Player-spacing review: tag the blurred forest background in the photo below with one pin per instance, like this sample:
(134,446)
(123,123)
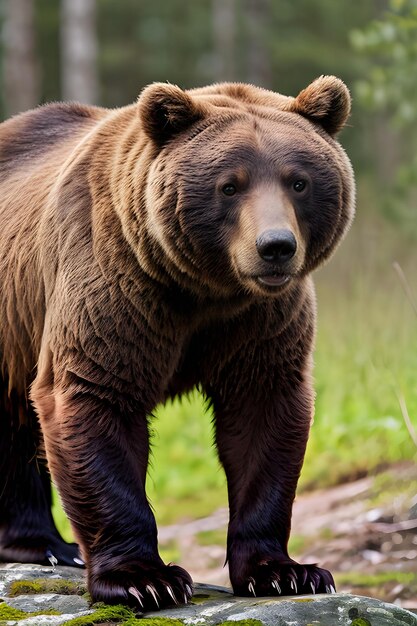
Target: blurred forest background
(105,52)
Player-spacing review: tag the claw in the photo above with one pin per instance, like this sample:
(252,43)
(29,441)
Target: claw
(185,599)
(189,590)
(135,593)
(316,580)
(153,593)
(275,584)
(171,593)
(313,588)
(252,588)
(78,561)
(293,580)
(305,574)
(332,589)
(52,559)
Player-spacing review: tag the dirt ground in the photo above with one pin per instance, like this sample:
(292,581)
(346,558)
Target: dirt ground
(364,531)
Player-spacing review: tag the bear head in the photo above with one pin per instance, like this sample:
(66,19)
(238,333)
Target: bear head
(248,190)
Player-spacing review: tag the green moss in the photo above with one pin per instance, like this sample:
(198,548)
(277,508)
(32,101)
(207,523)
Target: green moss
(43,585)
(119,615)
(200,598)
(360,622)
(10,613)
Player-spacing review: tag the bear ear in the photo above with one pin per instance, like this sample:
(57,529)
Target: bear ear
(325,101)
(166,110)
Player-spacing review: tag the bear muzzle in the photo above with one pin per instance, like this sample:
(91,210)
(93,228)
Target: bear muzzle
(274,280)
(277,247)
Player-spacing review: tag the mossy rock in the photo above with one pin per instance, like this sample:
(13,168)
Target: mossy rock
(106,615)
(9,613)
(61,586)
(210,606)
(241,622)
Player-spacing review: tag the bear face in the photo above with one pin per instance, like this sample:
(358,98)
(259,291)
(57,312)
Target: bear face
(248,192)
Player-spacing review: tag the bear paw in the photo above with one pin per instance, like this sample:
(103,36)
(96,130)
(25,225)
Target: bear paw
(271,578)
(45,551)
(142,585)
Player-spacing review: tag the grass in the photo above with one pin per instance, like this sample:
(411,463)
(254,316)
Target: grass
(365,358)
(377,584)
(359,579)
(212,537)
(183,447)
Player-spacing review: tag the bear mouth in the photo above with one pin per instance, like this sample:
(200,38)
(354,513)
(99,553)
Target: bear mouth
(274,280)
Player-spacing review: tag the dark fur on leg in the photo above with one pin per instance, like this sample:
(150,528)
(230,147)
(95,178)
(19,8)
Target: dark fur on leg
(27,529)
(262,427)
(101,477)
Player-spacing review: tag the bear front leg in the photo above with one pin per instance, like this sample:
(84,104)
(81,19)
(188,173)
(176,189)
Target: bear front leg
(97,450)
(263,411)
(27,529)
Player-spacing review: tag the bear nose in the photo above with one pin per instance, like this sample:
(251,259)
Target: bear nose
(276,246)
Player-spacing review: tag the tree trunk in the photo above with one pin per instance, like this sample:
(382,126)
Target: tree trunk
(79,46)
(21,75)
(258,66)
(224,39)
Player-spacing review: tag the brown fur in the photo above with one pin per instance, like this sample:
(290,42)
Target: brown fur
(128,276)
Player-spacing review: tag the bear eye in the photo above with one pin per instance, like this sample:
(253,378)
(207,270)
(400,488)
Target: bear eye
(299,185)
(229,189)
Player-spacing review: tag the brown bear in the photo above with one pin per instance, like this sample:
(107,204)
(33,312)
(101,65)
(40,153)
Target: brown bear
(144,251)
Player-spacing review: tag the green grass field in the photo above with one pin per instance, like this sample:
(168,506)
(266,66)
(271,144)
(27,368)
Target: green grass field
(365,359)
